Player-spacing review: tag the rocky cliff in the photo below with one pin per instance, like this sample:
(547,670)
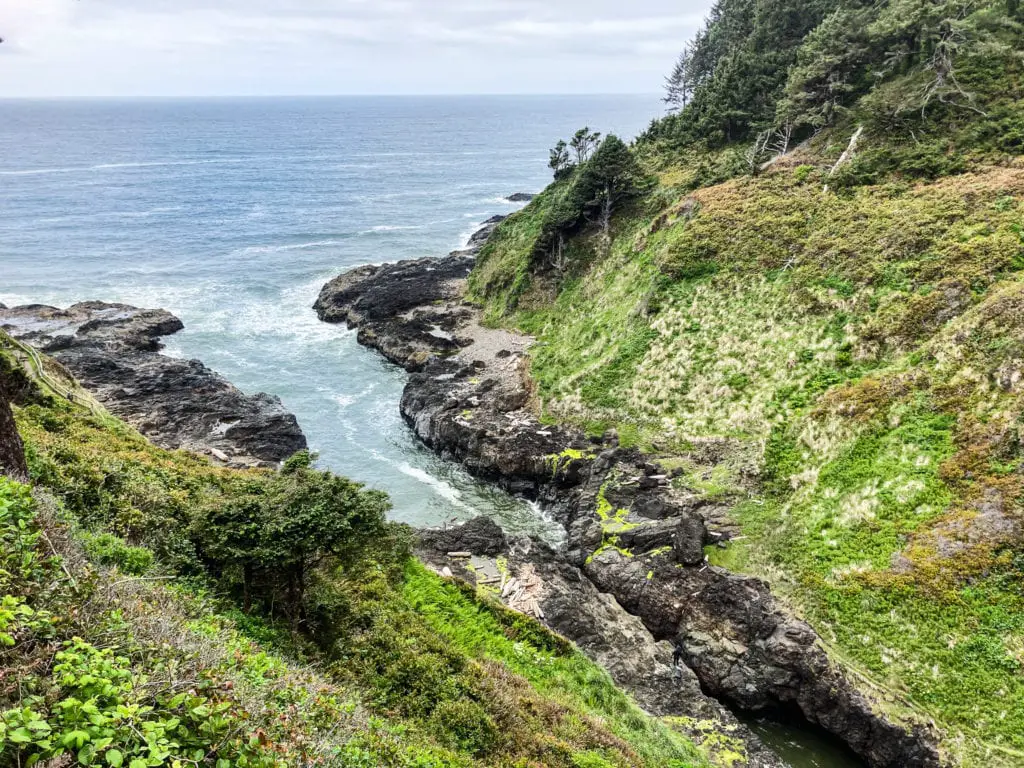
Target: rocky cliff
(114,351)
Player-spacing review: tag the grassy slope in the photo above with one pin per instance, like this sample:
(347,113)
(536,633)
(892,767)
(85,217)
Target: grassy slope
(847,368)
(416,672)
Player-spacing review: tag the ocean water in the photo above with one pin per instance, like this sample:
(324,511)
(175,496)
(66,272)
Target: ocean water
(232,214)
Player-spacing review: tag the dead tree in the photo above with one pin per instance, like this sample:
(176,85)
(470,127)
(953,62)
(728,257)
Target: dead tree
(755,155)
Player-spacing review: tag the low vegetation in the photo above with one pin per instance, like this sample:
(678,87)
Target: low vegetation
(158,610)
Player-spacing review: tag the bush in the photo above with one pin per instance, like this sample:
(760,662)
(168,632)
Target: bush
(107,549)
(464,725)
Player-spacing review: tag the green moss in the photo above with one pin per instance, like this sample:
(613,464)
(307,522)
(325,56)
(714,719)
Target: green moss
(559,461)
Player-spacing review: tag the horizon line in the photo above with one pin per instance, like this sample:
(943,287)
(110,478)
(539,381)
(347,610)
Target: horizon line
(210,97)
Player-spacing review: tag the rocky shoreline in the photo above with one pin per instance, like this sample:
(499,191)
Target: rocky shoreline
(114,351)
(631,586)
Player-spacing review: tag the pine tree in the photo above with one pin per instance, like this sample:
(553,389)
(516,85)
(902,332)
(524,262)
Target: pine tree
(679,85)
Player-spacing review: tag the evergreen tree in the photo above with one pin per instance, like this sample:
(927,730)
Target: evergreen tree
(273,539)
(559,160)
(583,143)
(679,85)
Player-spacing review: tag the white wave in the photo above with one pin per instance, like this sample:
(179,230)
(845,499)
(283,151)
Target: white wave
(289,247)
(391,228)
(346,399)
(29,223)
(446,491)
(115,166)
(463,238)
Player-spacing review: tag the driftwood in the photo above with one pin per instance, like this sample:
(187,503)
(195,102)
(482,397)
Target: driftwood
(848,153)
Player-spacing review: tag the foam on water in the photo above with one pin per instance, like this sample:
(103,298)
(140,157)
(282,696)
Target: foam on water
(119,166)
(233,215)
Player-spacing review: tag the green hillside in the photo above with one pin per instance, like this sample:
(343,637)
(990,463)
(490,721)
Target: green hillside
(804,288)
(156,610)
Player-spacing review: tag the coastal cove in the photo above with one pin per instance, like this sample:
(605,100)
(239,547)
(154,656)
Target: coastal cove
(247,314)
(246,307)
(679,430)
(232,214)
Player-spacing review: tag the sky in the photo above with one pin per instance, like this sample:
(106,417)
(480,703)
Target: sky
(122,48)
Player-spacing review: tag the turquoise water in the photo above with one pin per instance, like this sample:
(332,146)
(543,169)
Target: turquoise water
(232,214)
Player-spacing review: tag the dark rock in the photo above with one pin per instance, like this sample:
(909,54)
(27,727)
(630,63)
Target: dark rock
(113,350)
(480,237)
(12,453)
(520,197)
(480,536)
(570,604)
(386,291)
(688,540)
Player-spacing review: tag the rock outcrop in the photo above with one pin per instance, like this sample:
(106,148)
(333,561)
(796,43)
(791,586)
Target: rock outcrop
(635,540)
(531,577)
(12,453)
(114,351)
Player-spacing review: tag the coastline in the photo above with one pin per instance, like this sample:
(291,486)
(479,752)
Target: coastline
(634,541)
(114,351)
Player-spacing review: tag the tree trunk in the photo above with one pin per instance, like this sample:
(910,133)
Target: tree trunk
(12,453)
(606,218)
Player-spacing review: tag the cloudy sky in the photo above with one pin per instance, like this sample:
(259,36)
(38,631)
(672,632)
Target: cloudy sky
(251,47)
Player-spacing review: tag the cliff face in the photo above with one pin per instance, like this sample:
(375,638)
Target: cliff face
(12,453)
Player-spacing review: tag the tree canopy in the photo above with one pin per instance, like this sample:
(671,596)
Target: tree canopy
(270,540)
(757,67)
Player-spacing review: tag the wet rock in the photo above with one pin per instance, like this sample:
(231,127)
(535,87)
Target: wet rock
(481,536)
(409,311)
(520,197)
(113,350)
(569,603)
(386,291)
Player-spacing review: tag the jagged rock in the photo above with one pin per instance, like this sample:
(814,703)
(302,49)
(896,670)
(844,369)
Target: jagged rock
(113,350)
(570,604)
(408,311)
(481,536)
(520,197)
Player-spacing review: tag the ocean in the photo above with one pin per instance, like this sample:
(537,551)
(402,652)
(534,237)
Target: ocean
(232,213)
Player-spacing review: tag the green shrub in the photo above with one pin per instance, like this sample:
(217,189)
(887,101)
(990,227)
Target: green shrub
(107,549)
(464,725)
